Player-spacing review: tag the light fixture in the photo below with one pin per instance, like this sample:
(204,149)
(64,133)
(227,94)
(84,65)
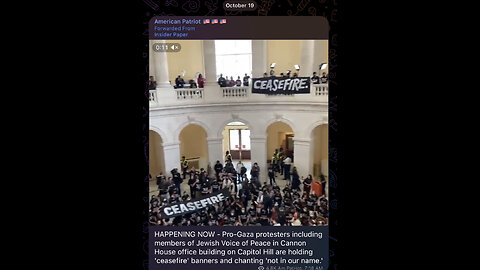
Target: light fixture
(297,67)
(273,65)
(323,66)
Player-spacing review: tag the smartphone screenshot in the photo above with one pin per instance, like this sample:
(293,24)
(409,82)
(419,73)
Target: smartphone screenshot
(239,167)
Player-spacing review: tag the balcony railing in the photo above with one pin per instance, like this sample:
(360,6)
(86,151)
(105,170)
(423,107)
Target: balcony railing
(166,97)
(229,92)
(193,93)
(320,89)
(153,96)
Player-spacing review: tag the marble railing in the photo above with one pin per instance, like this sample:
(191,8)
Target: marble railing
(167,97)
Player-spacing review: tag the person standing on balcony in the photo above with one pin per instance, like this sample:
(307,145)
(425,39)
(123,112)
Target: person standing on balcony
(179,82)
(152,84)
(193,83)
(231,82)
(246,79)
(222,81)
(315,78)
(324,78)
(200,81)
(238,81)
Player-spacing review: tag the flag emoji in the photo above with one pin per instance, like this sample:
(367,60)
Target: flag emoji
(205,21)
(222,21)
(214,21)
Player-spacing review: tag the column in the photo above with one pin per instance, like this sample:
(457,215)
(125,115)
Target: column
(151,61)
(215,151)
(259,58)
(209,62)
(258,146)
(320,55)
(303,156)
(160,64)
(171,154)
(306,61)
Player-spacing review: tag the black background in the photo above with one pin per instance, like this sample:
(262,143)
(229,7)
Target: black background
(94,204)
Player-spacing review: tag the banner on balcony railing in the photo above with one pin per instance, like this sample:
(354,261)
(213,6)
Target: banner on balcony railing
(182,208)
(281,86)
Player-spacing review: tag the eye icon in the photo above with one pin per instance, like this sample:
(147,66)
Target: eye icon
(260,267)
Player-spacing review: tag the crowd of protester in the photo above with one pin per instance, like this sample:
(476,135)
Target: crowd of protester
(226,82)
(301,202)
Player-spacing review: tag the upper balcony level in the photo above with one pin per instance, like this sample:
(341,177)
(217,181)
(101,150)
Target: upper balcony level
(170,97)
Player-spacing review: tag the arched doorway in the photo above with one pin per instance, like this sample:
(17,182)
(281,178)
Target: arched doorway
(236,140)
(193,145)
(156,159)
(320,150)
(279,135)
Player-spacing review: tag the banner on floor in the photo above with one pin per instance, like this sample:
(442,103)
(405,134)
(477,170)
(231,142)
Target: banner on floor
(281,86)
(186,207)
